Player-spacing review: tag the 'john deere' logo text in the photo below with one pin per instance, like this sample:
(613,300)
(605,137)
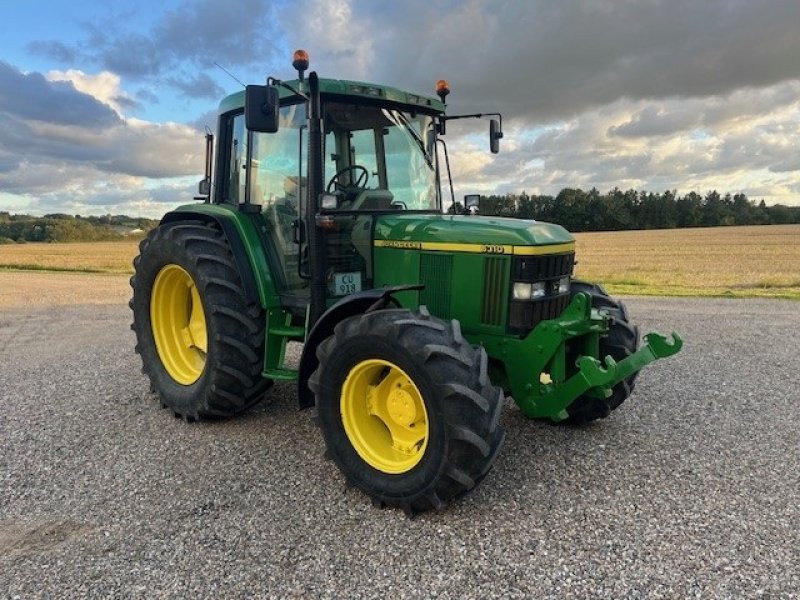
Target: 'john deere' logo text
(400,244)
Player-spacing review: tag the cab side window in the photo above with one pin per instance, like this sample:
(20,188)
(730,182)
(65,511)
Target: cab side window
(236,155)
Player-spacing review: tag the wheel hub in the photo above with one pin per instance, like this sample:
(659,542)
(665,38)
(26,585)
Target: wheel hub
(401,408)
(384,416)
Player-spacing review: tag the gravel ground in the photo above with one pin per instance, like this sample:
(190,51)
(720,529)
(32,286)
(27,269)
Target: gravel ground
(691,489)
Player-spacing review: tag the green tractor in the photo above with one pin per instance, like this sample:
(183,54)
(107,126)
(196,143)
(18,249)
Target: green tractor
(322,222)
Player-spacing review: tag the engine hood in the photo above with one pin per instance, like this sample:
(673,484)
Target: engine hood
(413,230)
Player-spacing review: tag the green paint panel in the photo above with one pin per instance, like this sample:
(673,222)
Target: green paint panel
(398,267)
(542,351)
(469,230)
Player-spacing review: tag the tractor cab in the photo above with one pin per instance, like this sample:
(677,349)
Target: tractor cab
(378,157)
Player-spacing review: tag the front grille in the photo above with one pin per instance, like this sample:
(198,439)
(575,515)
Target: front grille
(542,268)
(523,316)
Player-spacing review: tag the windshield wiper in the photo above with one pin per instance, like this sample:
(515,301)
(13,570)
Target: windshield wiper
(401,119)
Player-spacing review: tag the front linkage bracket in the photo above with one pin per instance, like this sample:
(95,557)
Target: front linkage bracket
(550,398)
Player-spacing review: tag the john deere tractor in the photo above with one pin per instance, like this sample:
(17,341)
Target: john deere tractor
(322,222)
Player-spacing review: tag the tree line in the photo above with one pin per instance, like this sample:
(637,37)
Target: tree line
(574,208)
(69,228)
(579,210)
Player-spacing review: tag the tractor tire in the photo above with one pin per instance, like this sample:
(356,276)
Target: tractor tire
(621,341)
(406,408)
(200,340)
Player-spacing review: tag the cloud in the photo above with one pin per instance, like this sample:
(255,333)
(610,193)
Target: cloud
(658,94)
(67,137)
(659,145)
(54,49)
(84,191)
(131,55)
(721,113)
(190,37)
(137,148)
(148,96)
(104,87)
(203,31)
(653,121)
(31,96)
(155,150)
(337,36)
(537,60)
(543,60)
(197,86)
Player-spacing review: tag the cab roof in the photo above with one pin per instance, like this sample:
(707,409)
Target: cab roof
(356,89)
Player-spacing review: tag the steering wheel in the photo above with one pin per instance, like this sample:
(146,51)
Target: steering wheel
(360,180)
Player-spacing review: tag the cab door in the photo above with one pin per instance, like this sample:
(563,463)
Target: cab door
(277,183)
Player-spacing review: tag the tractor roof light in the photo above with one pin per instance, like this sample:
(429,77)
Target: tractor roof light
(300,62)
(442,89)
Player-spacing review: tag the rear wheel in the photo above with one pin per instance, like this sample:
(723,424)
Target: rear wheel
(621,341)
(200,340)
(406,408)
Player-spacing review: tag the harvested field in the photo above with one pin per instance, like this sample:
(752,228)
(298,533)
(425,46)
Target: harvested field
(756,261)
(88,257)
(33,289)
(737,262)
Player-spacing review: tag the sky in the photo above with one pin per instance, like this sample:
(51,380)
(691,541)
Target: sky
(103,107)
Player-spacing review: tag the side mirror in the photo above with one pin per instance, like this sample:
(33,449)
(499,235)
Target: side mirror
(203,190)
(472,203)
(261,105)
(204,187)
(495,133)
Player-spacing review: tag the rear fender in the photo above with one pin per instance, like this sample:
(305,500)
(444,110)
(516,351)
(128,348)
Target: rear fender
(240,230)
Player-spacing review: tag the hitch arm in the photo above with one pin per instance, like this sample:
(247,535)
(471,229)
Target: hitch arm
(656,346)
(594,374)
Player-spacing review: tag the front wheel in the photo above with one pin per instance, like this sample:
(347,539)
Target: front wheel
(406,408)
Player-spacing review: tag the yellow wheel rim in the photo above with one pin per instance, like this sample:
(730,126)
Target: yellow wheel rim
(179,324)
(384,416)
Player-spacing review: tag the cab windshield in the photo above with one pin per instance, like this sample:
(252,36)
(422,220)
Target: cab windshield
(379,158)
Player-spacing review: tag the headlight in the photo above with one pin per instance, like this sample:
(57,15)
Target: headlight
(522,291)
(563,285)
(528,291)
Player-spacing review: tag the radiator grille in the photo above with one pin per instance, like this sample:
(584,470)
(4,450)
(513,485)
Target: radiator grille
(494,295)
(540,268)
(436,273)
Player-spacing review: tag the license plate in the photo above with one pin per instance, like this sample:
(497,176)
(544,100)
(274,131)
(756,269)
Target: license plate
(346,283)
